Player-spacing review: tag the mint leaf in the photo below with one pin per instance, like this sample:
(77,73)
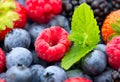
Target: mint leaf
(74,55)
(84,34)
(85,26)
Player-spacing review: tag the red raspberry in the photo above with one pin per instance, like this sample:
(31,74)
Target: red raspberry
(77,79)
(2,80)
(42,11)
(2,60)
(113,52)
(52,43)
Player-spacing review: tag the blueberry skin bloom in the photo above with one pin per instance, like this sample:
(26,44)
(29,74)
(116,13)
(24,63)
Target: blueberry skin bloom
(18,73)
(17,56)
(53,74)
(17,38)
(94,63)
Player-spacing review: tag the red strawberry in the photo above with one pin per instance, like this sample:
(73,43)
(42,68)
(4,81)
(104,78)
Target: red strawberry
(52,43)
(2,80)
(107,29)
(17,24)
(113,52)
(77,79)
(2,60)
(42,11)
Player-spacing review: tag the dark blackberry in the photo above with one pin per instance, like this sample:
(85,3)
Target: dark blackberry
(115,4)
(68,8)
(116,75)
(100,7)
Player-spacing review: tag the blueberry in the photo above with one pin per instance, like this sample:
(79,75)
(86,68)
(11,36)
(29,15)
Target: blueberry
(17,38)
(101,39)
(77,73)
(37,71)
(37,60)
(101,47)
(18,73)
(57,64)
(104,77)
(94,63)
(60,20)
(21,1)
(35,29)
(2,46)
(27,26)
(3,75)
(53,74)
(18,55)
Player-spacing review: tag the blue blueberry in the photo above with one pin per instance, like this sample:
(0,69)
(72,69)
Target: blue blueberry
(101,47)
(17,38)
(104,77)
(35,29)
(3,75)
(2,46)
(21,1)
(18,73)
(77,73)
(94,63)
(53,74)
(101,39)
(27,26)
(36,71)
(62,21)
(57,64)
(37,60)
(19,55)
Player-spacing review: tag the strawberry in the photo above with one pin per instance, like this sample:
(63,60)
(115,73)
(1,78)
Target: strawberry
(21,11)
(41,11)
(77,79)
(2,60)
(107,29)
(52,43)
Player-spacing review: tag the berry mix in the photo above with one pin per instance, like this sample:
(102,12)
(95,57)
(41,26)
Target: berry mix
(59,41)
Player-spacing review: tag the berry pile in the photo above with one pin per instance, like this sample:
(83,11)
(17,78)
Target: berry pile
(40,43)
(100,7)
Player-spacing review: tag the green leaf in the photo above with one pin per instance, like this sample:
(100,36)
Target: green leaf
(74,55)
(84,25)
(84,34)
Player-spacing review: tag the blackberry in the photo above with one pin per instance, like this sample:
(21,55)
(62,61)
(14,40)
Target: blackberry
(116,75)
(68,8)
(115,4)
(100,7)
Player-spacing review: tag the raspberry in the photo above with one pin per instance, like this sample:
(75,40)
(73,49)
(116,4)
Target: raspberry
(52,43)
(2,60)
(47,9)
(1,80)
(113,52)
(77,79)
